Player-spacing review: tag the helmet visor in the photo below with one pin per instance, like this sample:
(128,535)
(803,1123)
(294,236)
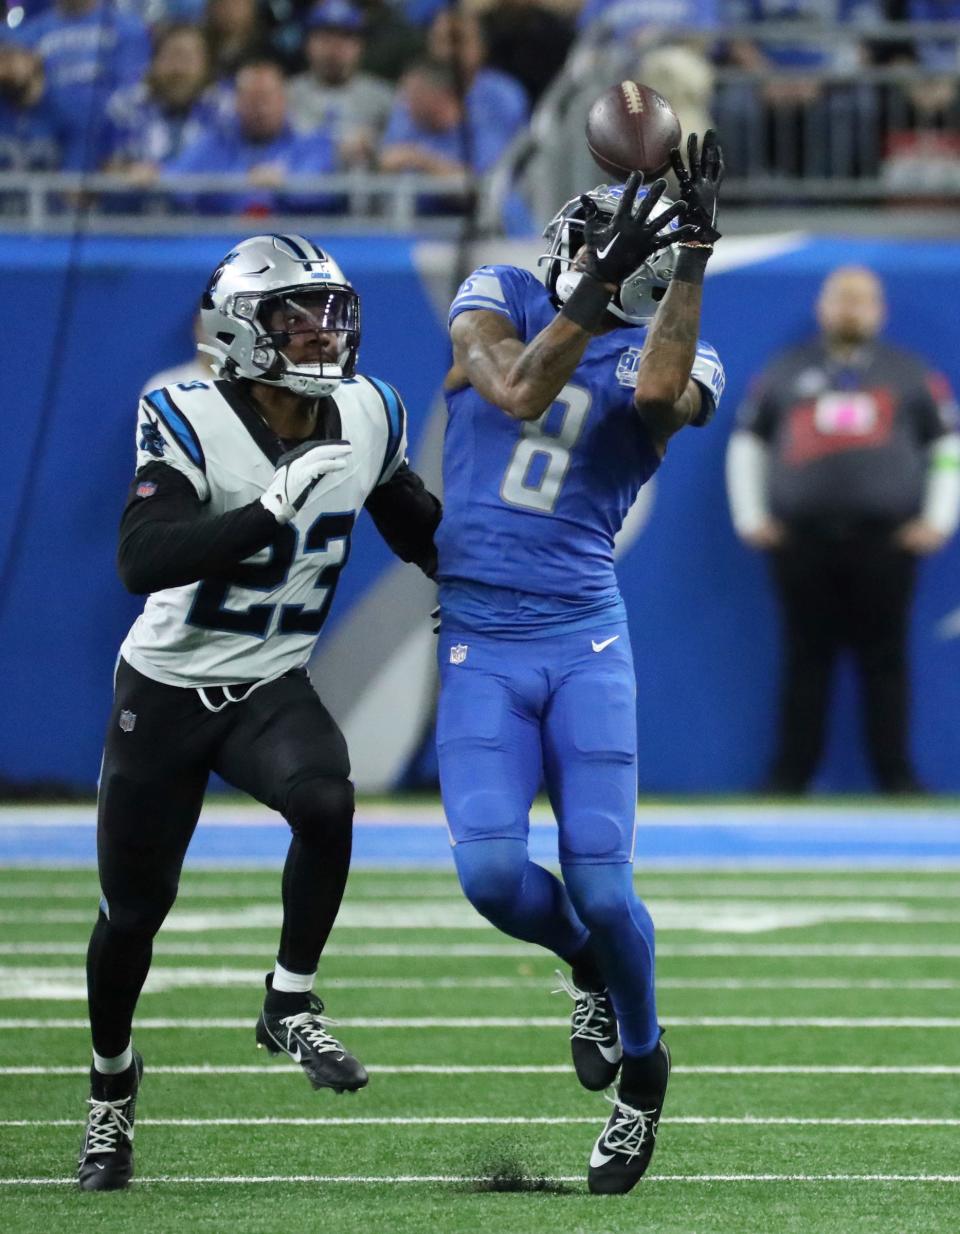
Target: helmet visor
(318,310)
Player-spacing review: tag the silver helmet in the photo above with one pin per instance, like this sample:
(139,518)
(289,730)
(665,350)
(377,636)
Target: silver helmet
(265,290)
(641,291)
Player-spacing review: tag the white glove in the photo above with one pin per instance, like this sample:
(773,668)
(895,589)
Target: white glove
(298,471)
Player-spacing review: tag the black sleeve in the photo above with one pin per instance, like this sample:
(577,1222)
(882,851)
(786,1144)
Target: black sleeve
(406,514)
(167,540)
(758,411)
(932,407)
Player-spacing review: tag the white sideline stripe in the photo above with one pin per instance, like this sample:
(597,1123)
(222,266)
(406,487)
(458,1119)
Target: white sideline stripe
(486,951)
(246,1180)
(798,814)
(719,1069)
(688,1120)
(21,981)
(542,1021)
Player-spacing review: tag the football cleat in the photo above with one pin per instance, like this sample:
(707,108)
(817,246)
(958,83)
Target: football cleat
(304,1037)
(594,1036)
(623,1150)
(106,1159)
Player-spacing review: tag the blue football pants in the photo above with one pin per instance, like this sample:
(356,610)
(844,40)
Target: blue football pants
(559,710)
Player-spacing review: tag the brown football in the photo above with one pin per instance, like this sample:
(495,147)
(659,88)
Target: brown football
(632,128)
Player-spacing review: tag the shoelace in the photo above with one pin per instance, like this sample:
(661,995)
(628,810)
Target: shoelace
(630,1129)
(107,1121)
(591,1015)
(312,1028)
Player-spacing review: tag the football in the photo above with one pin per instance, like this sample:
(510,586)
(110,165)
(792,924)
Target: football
(632,128)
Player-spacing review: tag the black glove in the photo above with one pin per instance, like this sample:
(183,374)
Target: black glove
(614,248)
(700,186)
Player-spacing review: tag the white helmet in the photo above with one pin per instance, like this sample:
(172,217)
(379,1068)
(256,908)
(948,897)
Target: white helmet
(641,291)
(256,297)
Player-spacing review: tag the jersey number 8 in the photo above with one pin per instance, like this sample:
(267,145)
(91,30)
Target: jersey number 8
(541,459)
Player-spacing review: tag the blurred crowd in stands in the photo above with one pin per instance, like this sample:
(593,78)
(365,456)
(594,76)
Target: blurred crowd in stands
(153,89)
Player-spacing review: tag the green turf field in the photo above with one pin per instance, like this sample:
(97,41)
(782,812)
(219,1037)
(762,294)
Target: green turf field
(814,1020)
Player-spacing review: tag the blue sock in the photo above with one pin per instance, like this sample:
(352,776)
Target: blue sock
(519,897)
(621,939)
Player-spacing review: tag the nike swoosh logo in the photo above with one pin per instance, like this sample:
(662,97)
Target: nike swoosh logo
(612,1053)
(601,253)
(298,1057)
(606,643)
(597,1158)
(99,1166)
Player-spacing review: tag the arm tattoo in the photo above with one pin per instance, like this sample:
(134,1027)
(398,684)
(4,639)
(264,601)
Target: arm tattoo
(522,379)
(671,345)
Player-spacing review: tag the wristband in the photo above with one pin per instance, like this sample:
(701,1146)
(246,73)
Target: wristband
(692,262)
(587,304)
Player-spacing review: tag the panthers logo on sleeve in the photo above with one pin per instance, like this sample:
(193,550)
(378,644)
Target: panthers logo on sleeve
(151,439)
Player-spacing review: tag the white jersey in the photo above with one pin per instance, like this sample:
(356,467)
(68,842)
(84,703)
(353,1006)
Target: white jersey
(264,621)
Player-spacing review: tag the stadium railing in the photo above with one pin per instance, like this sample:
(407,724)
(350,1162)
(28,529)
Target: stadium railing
(862,141)
(55,202)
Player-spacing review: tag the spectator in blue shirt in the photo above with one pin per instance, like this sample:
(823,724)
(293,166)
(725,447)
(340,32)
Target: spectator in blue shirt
(150,123)
(259,142)
(626,17)
(492,97)
(430,132)
(89,50)
(29,133)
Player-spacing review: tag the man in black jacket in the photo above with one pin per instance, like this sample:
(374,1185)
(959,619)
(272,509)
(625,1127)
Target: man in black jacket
(238,525)
(845,467)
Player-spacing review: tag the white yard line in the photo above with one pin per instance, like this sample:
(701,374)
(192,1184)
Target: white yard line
(691,1120)
(474,1022)
(486,951)
(377,1179)
(401,1069)
(68,983)
(724,916)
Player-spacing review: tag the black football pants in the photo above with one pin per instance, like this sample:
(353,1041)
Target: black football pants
(281,745)
(843,589)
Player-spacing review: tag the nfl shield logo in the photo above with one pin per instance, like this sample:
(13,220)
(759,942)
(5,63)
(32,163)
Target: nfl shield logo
(458,653)
(127,721)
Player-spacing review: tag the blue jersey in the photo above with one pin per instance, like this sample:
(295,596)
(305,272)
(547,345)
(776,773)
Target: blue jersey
(531,508)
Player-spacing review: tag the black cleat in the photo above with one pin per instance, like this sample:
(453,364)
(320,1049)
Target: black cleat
(594,1036)
(622,1153)
(303,1035)
(106,1159)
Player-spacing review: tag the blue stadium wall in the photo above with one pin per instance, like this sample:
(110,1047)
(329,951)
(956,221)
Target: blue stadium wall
(86,323)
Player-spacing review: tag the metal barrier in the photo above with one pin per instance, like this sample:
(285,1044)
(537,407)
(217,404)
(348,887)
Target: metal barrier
(58,202)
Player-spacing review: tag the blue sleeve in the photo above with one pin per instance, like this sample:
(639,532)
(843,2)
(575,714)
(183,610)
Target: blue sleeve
(490,139)
(400,128)
(708,373)
(196,156)
(591,10)
(203,154)
(498,289)
(312,154)
(132,57)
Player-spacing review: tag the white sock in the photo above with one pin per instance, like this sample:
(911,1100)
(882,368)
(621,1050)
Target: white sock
(292,983)
(113,1066)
